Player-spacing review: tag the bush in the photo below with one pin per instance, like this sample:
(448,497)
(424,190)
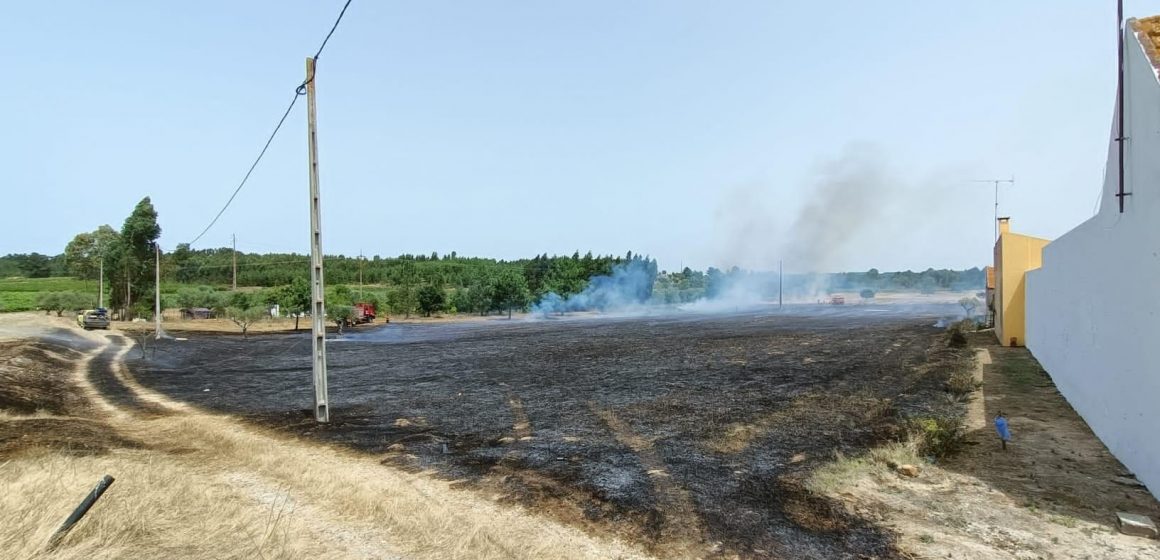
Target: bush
(937,436)
(963,383)
(47,301)
(189,297)
(957,333)
(61,302)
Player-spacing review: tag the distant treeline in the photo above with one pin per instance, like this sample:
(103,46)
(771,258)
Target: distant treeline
(415,283)
(452,283)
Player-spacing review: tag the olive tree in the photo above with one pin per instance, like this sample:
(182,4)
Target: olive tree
(245,317)
(341,314)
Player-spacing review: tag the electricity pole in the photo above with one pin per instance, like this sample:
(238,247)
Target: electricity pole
(780,278)
(996,182)
(318,305)
(157,290)
(1120,137)
(234,237)
(100,277)
(360,271)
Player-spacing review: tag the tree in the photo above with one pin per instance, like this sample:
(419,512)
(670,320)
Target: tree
(295,298)
(969,304)
(61,302)
(431,299)
(927,285)
(47,301)
(241,300)
(132,256)
(190,297)
(342,314)
(403,299)
(83,254)
(244,318)
(35,265)
(510,290)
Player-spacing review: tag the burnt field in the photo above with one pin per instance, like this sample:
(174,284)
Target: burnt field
(687,433)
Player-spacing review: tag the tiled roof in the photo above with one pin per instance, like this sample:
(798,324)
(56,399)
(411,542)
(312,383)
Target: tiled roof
(1148,30)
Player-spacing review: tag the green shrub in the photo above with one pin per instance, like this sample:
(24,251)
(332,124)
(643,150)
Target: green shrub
(938,436)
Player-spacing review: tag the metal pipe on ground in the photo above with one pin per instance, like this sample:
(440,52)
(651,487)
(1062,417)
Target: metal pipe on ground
(80,511)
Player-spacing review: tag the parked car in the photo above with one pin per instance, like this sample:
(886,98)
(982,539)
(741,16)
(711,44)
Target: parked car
(93,319)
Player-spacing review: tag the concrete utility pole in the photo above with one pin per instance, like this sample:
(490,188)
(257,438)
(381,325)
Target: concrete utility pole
(100,277)
(780,278)
(318,306)
(360,271)
(996,182)
(234,237)
(157,290)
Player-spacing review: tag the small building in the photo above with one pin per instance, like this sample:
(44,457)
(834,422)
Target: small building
(197,313)
(1015,255)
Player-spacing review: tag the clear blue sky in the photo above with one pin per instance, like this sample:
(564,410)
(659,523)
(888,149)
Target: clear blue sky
(691,131)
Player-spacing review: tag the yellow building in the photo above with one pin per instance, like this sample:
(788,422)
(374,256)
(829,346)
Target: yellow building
(1015,254)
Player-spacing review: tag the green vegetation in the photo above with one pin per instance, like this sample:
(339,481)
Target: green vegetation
(21,294)
(61,302)
(341,315)
(245,317)
(432,299)
(937,436)
(403,285)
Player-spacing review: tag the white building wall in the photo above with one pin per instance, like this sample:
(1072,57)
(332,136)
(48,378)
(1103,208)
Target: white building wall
(1093,309)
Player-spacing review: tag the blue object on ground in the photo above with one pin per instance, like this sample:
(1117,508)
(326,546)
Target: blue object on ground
(1001,428)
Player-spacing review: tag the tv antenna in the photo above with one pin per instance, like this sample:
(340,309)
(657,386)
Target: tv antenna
(1010,181)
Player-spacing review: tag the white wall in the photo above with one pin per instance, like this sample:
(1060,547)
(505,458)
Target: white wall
(1093,309)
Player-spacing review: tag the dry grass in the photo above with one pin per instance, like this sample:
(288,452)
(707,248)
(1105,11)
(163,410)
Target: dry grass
(845,472)
(159,506)
(419,515)
(204,486)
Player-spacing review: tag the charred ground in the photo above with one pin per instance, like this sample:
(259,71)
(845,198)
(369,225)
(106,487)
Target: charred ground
(686,432)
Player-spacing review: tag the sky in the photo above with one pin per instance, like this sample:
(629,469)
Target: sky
(832,135)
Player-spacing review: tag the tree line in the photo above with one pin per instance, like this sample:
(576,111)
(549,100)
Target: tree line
(405,285)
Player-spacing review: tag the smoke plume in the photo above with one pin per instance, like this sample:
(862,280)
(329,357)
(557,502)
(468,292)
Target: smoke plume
(628,286)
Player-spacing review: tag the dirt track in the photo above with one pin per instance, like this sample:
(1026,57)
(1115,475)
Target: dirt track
(689,433)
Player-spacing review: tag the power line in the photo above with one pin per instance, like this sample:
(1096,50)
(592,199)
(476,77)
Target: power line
(300,90)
